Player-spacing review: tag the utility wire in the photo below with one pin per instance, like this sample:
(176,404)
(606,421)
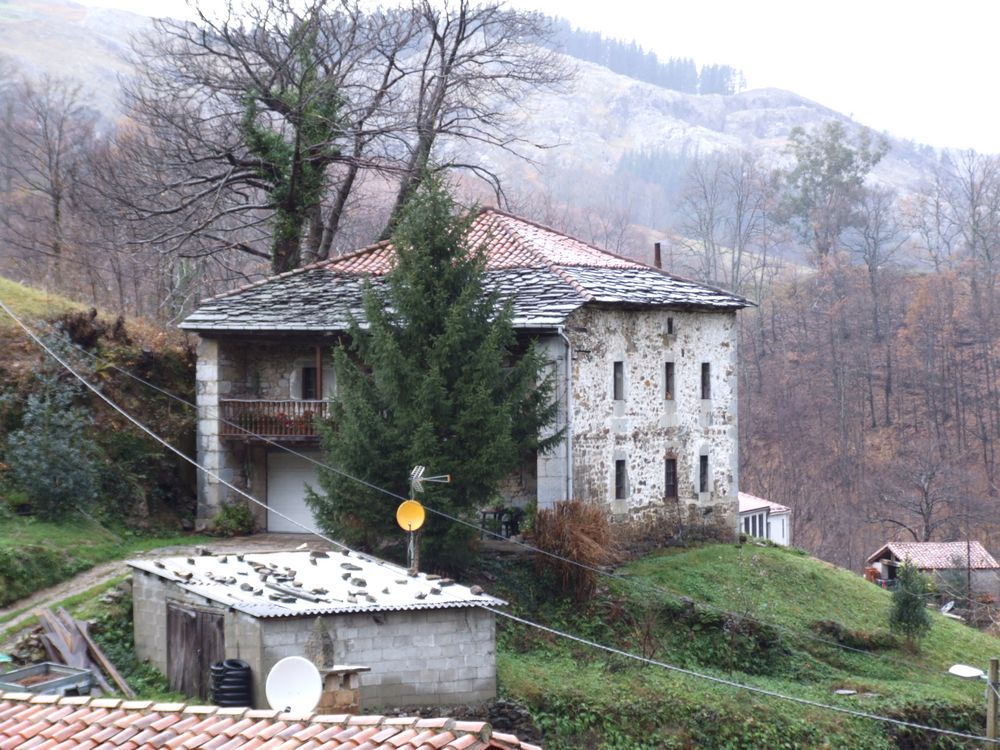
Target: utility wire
(737,685)
(482,530)
(523,621)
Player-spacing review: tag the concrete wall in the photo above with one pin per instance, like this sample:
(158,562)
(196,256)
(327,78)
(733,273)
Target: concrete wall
(150,595)
(435,656)
(644,428)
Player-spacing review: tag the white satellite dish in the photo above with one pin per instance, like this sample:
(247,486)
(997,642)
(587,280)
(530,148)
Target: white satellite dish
(967,672)
(293,685)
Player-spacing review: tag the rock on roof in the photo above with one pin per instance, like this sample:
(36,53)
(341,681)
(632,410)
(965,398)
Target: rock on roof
(287,584)
(938,555)
(49,722)
(750,503)
(546,274)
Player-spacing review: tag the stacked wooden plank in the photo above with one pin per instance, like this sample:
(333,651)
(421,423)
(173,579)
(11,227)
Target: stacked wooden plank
(67,641)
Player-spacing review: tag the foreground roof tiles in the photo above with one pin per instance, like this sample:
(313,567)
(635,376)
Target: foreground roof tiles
(48,722)
(939,555)
(545,274)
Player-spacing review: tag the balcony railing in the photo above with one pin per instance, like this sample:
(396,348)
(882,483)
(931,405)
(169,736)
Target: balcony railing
(242,418)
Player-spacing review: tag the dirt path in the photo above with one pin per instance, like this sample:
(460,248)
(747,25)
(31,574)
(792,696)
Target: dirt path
(99,574)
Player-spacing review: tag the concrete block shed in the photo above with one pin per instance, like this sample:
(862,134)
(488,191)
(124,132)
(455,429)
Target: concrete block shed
(426,639)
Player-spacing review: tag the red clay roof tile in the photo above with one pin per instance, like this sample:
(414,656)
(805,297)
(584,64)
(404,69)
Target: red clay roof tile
(89,724)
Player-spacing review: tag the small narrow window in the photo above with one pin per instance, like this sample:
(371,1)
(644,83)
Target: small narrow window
(706,380)
(309,390)
(703,474)
(668,381)
(621,480)
(670,325)
(670,478)
(746,525)
(619,378)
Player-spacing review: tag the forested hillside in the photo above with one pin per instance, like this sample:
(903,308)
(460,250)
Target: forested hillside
(869,390)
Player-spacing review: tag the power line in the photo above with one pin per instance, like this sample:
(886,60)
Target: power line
(552,555)
(737,685)
(578,639)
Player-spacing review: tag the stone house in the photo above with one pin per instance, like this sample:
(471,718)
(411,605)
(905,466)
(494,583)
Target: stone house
(765,520)
(950,565)
(645,364)
(423,639)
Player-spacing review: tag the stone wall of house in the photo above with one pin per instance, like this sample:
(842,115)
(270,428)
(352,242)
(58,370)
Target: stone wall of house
(216,373)
(644,428)
(431,656)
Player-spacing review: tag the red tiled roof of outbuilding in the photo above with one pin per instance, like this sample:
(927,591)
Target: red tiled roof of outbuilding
(50,722)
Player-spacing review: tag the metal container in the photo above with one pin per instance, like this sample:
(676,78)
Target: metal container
(48,678)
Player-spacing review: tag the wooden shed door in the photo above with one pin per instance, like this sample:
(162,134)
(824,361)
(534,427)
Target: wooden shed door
(195,641)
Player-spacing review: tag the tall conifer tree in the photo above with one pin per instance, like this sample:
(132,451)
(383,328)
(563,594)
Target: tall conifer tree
(435,378)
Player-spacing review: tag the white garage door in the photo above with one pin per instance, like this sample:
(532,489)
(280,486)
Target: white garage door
(287,477)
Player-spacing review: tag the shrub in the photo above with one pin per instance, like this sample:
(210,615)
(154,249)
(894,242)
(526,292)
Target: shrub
(862,639)
(235,519)
(908,615)
(52,458)
(578,531)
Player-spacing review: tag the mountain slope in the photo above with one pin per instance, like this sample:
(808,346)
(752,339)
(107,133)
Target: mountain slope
(599,118)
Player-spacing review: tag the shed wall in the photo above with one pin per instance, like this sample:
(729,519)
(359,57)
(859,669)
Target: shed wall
(150,595)
(436,656)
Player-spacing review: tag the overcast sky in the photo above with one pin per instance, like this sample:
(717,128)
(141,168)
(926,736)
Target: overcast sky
(921,70)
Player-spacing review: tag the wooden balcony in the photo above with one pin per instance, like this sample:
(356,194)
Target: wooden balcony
(275,420)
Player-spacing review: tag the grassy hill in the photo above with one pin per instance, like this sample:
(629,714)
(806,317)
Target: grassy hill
(32,304)
(750,615)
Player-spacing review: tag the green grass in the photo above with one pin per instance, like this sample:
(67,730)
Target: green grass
(32,304)
(749,619)
(36,554)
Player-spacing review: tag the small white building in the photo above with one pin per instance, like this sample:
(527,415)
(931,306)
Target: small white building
(765,520)
(426,639)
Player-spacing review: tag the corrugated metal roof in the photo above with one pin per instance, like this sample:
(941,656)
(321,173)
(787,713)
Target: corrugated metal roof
(939,555)
(288,584)
(545,275)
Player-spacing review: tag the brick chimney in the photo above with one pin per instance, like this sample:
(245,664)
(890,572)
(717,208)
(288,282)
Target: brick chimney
(657,257)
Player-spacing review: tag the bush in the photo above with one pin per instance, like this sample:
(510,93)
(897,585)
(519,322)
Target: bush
(52,458)
(235,519)
(578,531)
(862,639)
(908,615)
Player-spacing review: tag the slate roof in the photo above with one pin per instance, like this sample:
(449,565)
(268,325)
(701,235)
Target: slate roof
(545,273)
(49,722)
(938,555)
(286,584)
(749,503)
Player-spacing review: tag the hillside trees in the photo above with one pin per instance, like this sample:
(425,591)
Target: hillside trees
(824,186)
(436,378)
(48,140)
(257,124)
